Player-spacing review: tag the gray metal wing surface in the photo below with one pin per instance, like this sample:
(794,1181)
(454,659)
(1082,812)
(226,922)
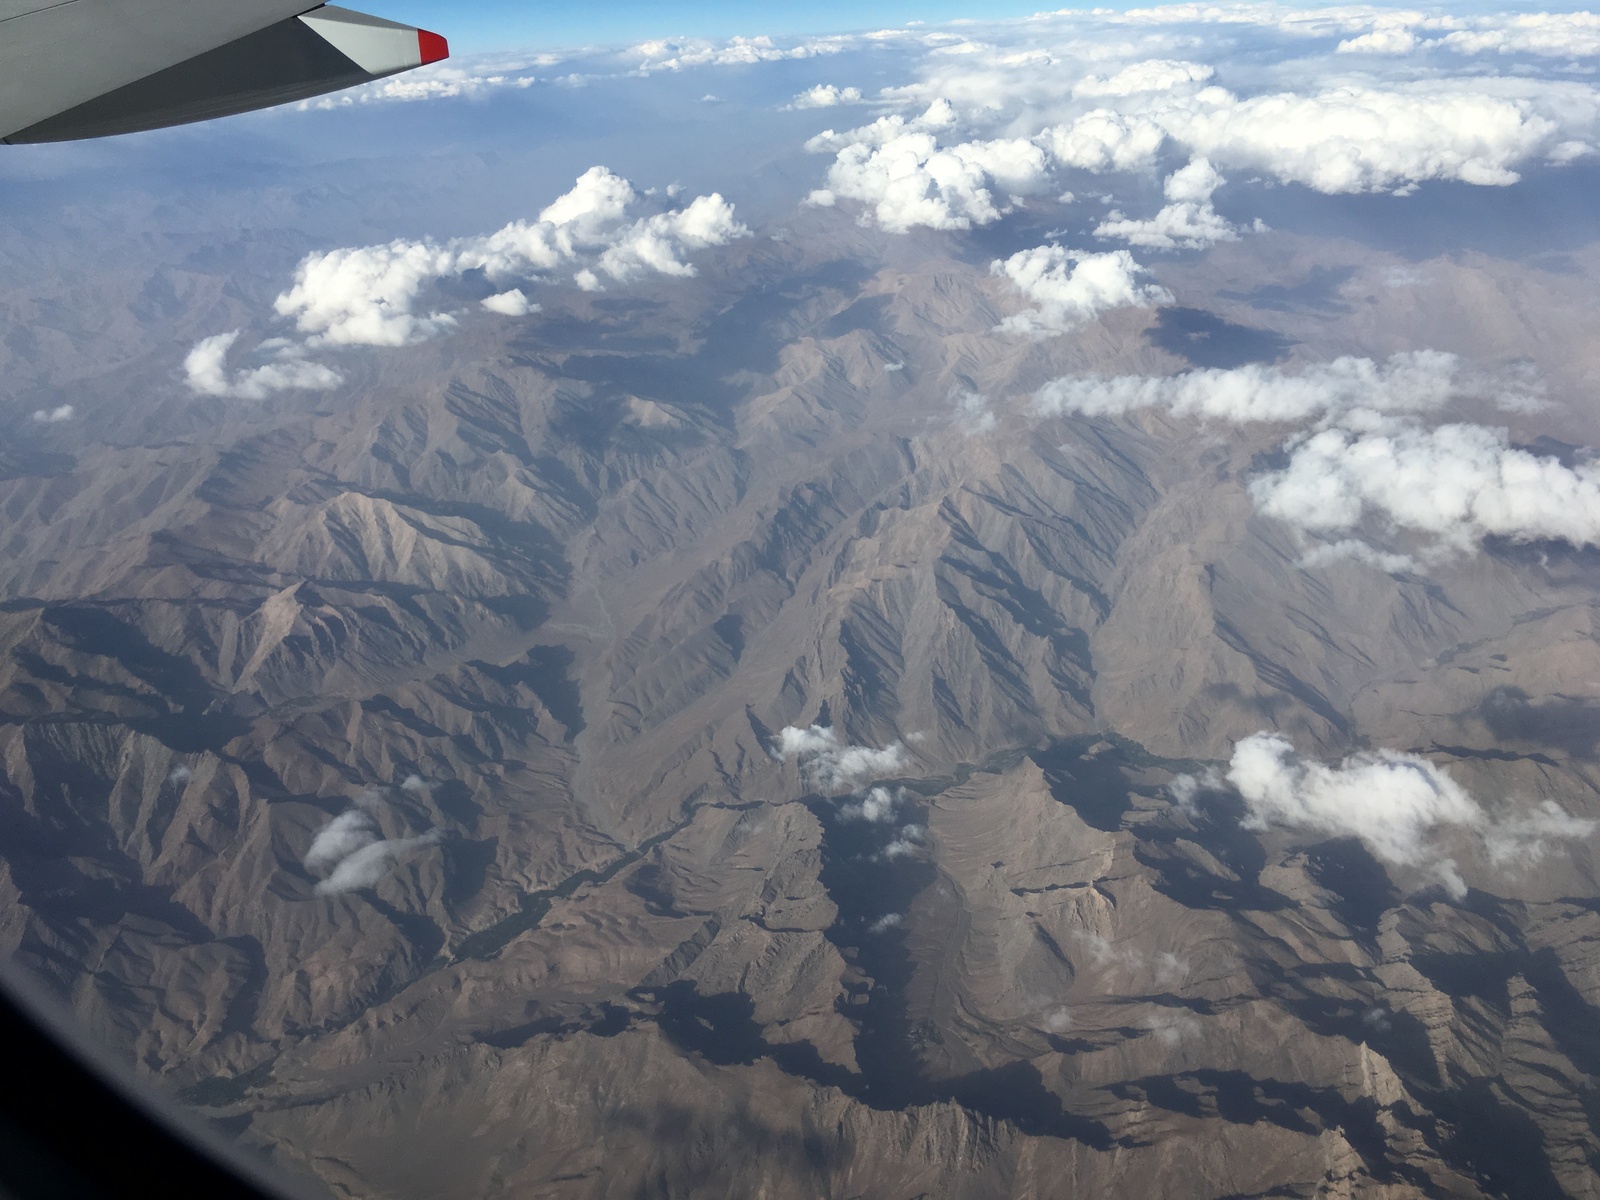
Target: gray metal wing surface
(88,68)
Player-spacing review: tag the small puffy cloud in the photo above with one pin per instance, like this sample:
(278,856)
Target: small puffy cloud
(1191,12)
(1070,289)
(442,81)
(877,806)
(1410,382)
(833,766)
(1350,138)
(1367,457)
(1172,1026)
(598,198)
(939,115)
(362,295)
(972,412)
(1189,222)
(1185,790)
(1390,40)
(900,170)
(1164,968)
(341,837)
(1356,139)
(1355,550)
(677,54)
(1169,969)
(53,416)
(1377,1018)
(907,841)
(885,923)
(367,295)
(657,243)
(911,180)
(1105,140)
(514,303)
(1567,35)
(1193,184)
(1455,484)
(1103,952)
(1392,802)
(801,744)
(1103,91)
(1152,75)
(180,775)
(351,852)
(206,370)
(1523,840)
(826,95)
(368,865)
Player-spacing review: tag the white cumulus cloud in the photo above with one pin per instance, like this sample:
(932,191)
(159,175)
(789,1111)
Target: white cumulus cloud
(1523,840)
(1070,289)
(1413,381)
(514,303)
(677,54)
(826,95)
(1568,35)
(1105,140)
(1351,138)
(350,851)
(367,295)
(1152,75)
(972,412)
(877,806)
(441,81)
(339,838)
(907,841)
(1455,483)
(905,177)
(912,180)
(53,416)
(1367,456)
(1393,802)
(1188,222)
(1360,139)
(1172,1026)
(206,369)
(940,114)
(1389,40)
(1232,84)
(833,766)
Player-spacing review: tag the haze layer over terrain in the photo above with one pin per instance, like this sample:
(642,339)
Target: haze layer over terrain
(957,611)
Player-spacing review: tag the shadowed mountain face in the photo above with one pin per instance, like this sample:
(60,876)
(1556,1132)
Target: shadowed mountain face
(396,775)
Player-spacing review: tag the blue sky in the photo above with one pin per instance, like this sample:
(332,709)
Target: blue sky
(477,25)
(482,25)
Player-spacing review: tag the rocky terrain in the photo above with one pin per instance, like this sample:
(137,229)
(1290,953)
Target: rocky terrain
(678,743)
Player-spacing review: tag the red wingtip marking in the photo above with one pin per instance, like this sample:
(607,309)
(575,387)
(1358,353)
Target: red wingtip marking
(433,47)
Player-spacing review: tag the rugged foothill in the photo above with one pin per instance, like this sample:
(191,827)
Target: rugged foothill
(399,776)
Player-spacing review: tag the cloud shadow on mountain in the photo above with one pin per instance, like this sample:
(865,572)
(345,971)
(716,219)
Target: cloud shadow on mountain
(1203,339)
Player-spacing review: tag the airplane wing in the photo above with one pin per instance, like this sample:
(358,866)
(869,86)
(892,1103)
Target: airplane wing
(87,68)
